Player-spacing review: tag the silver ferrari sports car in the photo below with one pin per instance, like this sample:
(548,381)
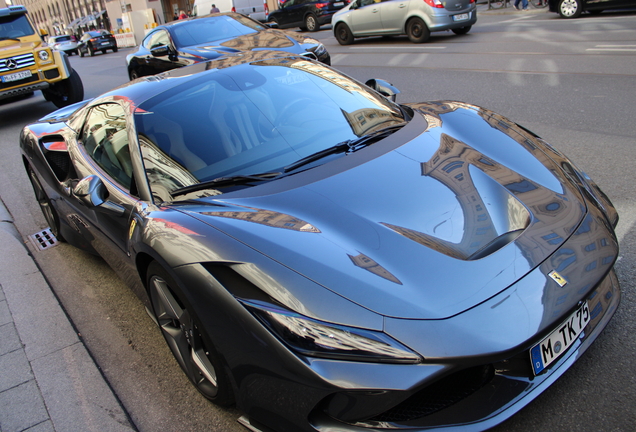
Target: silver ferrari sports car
(329,259)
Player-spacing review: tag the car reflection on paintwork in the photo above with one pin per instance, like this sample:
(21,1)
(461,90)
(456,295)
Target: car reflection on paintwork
(414,18)
(327,258)
(186,42)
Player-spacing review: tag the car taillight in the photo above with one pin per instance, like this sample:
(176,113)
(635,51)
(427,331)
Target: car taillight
(94,39)
(321,5)
(233,9)
(434,3)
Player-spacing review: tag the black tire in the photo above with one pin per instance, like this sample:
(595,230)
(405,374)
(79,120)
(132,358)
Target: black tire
(417,31)
(133,74)
(186,338)
(311,23)
(81,53)
(462,30)
(570,8)
(343,34)
(103,51)
(91,51)
(45,205)
(115,49)
(77,52)
(66,92)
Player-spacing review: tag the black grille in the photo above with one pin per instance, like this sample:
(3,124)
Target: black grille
(439,395)
(51,73)
(60,164)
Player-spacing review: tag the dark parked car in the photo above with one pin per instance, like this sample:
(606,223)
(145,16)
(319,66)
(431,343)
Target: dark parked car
(185,42)
(574,8)
(326,258)
(306,14)
(96,40)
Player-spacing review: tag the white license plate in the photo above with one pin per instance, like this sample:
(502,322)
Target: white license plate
(557,342)
(16,76)
(339,4)
(105,43)
(460,17)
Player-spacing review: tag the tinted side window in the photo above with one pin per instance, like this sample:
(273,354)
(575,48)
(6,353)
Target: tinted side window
(105,139)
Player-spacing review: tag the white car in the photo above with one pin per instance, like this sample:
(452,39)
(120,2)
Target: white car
(414,18)
(66,43)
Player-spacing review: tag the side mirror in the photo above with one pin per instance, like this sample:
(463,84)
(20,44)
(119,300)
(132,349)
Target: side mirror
(160,51)
(384,88)
(272,24)
(93,194)
(353,5)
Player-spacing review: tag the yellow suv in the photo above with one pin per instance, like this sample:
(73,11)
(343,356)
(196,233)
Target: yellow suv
(28,64)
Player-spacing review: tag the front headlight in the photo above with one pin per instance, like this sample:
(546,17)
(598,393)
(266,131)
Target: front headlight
(43,55)
(314,338)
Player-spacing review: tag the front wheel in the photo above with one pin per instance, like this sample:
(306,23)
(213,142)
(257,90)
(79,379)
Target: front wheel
(311,23)
(187,338)
(66,92)
(570,8)
(343,34)
(462,30)
(417,31)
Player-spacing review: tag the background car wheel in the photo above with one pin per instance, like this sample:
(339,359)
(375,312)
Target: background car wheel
(115,49)
(91,51)
(187,339)
(133,74)
(76,52)
(311,23)
(570,8)
(45,205)
(462,30)
(343,34)
(417,30)
(65,92)
(81,53)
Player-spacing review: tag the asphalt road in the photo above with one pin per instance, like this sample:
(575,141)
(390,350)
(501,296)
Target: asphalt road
(571,81)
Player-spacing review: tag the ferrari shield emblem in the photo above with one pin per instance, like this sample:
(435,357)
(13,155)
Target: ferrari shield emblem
(558,278)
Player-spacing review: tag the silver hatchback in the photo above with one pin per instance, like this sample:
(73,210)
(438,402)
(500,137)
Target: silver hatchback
(414,18)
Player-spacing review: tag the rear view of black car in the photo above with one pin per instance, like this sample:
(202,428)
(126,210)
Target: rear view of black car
(96,40)
(306,14)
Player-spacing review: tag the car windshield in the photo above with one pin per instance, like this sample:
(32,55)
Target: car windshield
(253,118)
(203,30)
(15,26)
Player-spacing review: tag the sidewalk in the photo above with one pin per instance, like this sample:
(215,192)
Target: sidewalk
(48,381)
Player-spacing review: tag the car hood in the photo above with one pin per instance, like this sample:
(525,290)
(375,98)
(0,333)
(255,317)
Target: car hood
(423,226)
(267,39)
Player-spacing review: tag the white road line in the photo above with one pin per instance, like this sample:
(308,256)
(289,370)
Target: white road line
(613,48)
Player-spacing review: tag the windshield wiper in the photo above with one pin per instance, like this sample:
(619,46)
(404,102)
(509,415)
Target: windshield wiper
(348,146)
(9,38)
(226,181)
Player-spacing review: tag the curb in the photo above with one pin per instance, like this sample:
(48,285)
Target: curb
(48,380)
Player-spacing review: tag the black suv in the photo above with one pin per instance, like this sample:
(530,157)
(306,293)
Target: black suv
(96,40)
(306,14)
